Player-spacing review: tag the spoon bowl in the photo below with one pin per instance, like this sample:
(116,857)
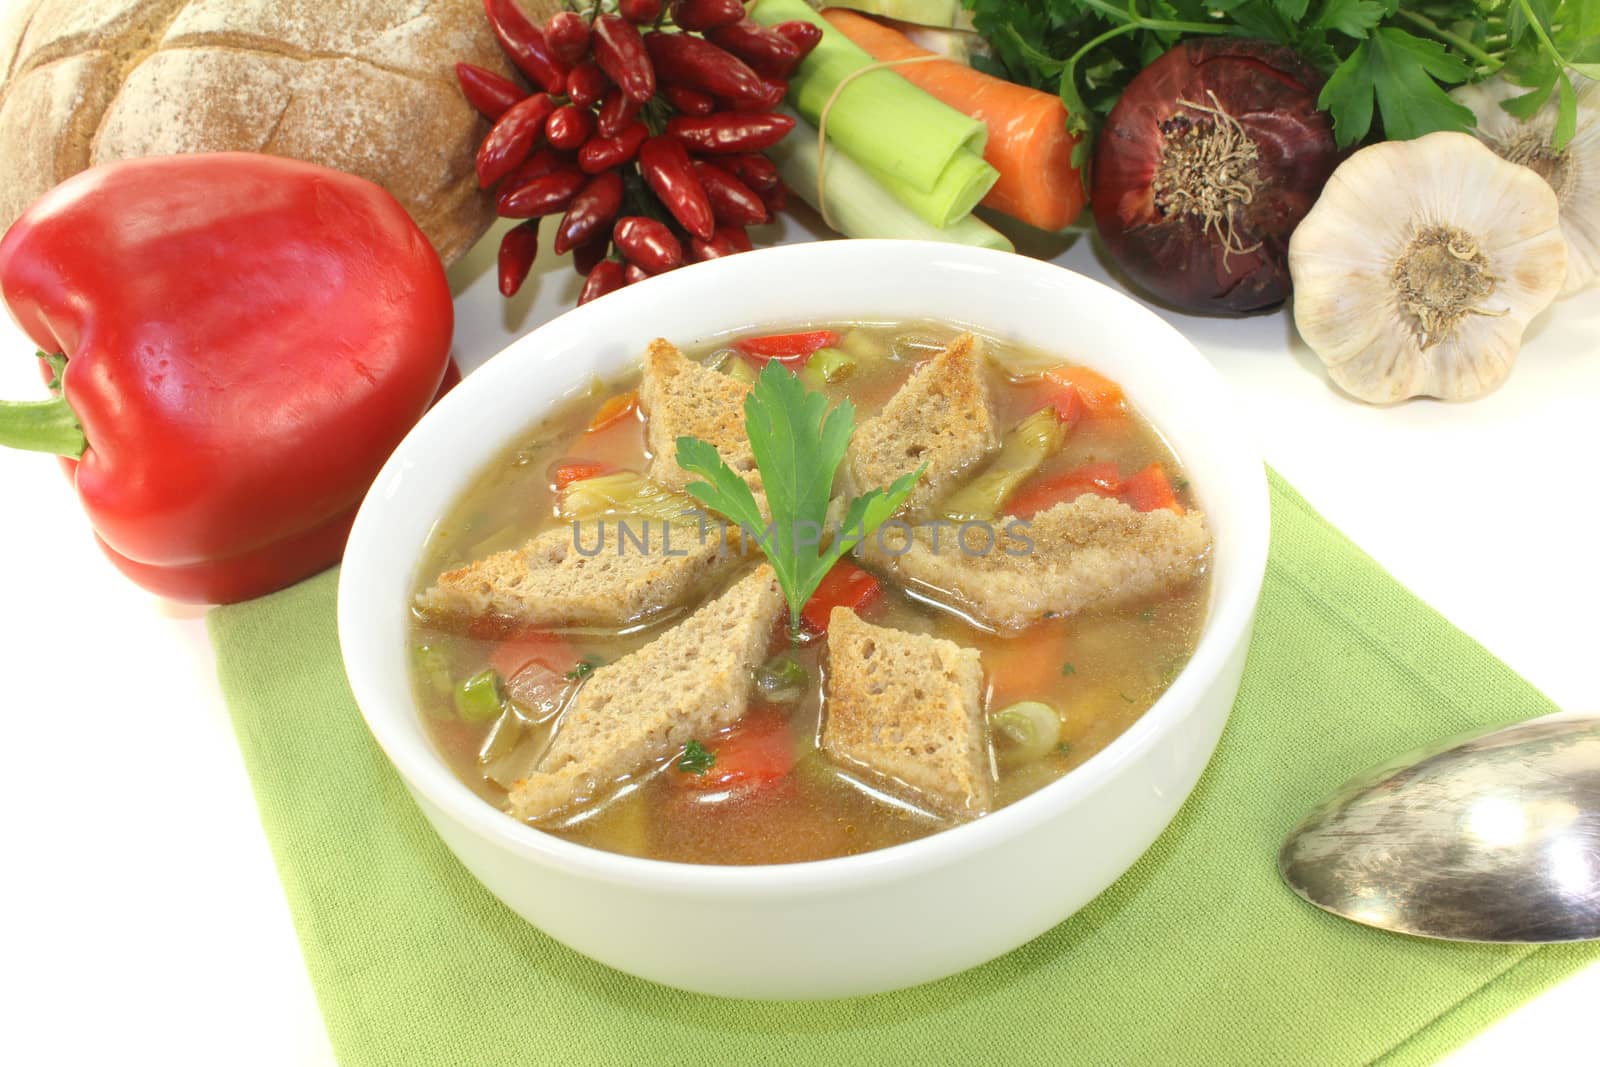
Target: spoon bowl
(1492,837)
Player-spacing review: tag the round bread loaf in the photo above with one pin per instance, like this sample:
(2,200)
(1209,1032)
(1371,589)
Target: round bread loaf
(365,86)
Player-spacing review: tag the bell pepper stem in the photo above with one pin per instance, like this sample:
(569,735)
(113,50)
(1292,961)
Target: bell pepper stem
(43,425)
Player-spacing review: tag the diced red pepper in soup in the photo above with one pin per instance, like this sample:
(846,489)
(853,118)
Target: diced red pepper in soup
(787,348)
(1042,494)
(757,751)
(1149,490)
(844,586)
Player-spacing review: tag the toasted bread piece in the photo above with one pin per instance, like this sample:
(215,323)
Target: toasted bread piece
(907,707)
(594,575)
(364,88)
(630,715)
(682,398)
(940,417)
(1079,555)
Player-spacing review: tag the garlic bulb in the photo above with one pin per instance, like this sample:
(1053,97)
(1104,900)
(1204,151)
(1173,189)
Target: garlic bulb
(1573,172)
(1420,265)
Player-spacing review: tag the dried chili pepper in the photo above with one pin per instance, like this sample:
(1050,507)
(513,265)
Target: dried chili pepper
(512,138)
(591,212)
(486,91)
(606,277)
(521,40)
(518,247)
(621,53)
(732,202)
(729,131)
(668,171)
(699,64)
(647,243)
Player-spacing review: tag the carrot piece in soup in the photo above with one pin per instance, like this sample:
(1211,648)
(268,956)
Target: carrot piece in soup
(532,646)
(615,410)
(1065,399)
(1025,666)
(577,470)
(1149,490)
(1101,396)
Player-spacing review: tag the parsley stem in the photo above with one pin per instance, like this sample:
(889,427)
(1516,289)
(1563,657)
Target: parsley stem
(1544,38)
(1460,43)
(1069,69)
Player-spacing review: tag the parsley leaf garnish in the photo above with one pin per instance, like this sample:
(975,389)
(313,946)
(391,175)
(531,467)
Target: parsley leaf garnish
(696,758)
(798,445)
(583,669)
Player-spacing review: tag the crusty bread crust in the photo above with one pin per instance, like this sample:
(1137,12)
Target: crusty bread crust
(594,576)
(1085,554)
(365,88)
(682,398)
(908,708)
(940,417)
(635,713)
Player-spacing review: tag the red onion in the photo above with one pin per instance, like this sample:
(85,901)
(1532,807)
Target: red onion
(1206,164)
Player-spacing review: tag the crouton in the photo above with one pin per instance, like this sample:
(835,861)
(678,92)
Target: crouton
(588,574)
(631,715)
(682,398)
(907,707)
(940,417)
(1080,555)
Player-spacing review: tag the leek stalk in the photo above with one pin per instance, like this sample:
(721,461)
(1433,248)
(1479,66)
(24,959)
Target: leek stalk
(858,206)
(945,13)
(885,123)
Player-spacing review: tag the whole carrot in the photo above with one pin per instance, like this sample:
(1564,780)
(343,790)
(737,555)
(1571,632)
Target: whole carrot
(1028,140)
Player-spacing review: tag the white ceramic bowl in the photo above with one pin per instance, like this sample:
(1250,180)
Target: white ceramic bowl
(858,924)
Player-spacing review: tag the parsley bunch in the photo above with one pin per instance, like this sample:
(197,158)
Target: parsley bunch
(799,444)
(1389,58)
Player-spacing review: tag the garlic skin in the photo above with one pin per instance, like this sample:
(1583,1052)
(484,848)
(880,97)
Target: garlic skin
(1421,264)
(1574,172)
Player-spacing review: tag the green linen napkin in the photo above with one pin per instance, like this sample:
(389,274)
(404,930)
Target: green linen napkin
(1197,955)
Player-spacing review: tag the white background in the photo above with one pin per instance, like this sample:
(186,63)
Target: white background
(140,914)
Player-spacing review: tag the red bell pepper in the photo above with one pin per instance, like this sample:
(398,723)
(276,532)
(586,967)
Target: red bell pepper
(247,338)
(1041,494)
(757,750)
(844,586)
(1149,490)
(787,348)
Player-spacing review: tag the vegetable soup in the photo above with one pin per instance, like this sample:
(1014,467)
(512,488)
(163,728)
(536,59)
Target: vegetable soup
(598,650)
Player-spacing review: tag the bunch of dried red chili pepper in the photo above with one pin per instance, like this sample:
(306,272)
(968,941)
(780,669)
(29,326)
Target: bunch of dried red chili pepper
(647,145)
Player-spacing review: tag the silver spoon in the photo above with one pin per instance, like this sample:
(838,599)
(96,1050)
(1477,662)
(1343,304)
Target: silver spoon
(1490,837)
